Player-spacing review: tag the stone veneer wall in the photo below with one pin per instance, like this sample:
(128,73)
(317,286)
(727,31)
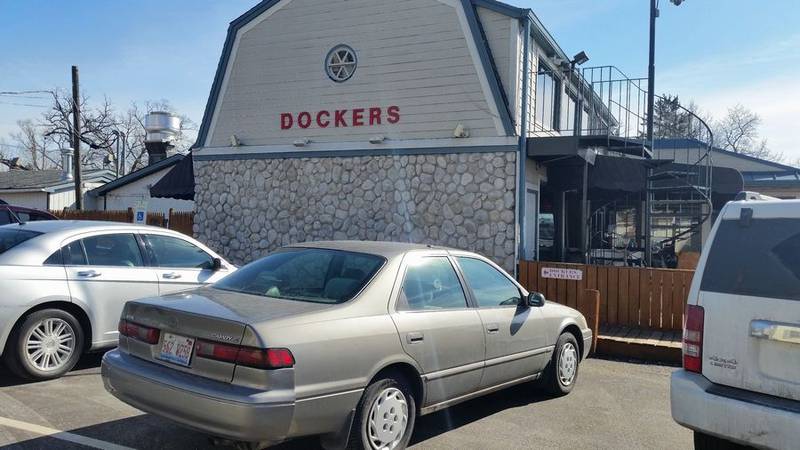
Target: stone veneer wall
(247,208)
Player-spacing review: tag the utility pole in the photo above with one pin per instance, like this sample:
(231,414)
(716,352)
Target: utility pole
(651,86)
(76,138)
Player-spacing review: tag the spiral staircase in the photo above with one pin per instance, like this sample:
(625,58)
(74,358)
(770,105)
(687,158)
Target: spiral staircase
(677,198)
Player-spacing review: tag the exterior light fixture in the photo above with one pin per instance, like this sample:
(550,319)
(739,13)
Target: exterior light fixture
(581,58)
(377,139)
(302,142)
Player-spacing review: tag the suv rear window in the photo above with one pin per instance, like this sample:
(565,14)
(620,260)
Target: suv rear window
(760,258)
(10,238)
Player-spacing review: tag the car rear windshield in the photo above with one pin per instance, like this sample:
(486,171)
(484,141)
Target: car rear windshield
(11,237)
(307,274)
(759,257)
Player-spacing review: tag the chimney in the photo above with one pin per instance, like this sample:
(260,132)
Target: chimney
(162,130)
(66,163)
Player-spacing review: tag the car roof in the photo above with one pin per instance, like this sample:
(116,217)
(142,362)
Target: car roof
(57,230)
(382,248)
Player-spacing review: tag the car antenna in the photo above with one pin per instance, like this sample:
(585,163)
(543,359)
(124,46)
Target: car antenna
(20,221)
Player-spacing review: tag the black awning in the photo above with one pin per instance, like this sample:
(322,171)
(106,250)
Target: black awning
(178,183)
(629,175)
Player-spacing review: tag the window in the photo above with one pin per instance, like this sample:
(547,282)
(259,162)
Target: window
(73,254)
(430,284)
(761,259)
(490,287)
(548,96)
(175,252)
(568,109)
(305,274)
(5,217)
(119,250)
(10,238)
(56,259)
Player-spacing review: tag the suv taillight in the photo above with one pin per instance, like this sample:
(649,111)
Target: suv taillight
(139,332)
(693,339)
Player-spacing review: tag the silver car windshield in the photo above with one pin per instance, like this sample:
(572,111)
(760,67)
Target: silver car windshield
(11,237)
(305,274)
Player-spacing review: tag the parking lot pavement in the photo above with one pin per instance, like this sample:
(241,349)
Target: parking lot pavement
(615,405)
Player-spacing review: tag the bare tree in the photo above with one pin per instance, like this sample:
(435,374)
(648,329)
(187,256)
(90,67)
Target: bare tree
(738,132)
(101,130)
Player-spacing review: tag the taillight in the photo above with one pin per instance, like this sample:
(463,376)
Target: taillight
(693,339)
(259,358)
(142,333)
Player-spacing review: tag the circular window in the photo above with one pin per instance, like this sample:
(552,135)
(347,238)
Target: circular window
(341,63)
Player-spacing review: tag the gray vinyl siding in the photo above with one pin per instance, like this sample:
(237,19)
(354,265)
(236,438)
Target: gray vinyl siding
(497,28)
(411,53)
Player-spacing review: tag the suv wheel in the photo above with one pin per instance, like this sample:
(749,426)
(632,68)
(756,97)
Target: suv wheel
(46,345)
(561,373)
(384,417)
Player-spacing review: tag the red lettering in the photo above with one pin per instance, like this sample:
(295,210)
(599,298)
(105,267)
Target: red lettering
(304,120)
(374,116)
(286,121)
(339,118)
(326,122)
(358,117)
(393,114)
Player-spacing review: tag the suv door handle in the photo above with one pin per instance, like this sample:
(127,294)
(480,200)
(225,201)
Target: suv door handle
(415,338)
(492,328)
(89,274)
(171,276)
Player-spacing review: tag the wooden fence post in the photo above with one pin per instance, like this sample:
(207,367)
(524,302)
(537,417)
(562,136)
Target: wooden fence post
(589,306)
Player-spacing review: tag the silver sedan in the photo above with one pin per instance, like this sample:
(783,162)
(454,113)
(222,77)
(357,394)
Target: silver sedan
(350,341)
(64,284)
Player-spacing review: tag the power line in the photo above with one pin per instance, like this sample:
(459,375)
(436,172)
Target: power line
(24,104)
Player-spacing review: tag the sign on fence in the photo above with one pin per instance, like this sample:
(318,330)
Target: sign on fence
(562,274)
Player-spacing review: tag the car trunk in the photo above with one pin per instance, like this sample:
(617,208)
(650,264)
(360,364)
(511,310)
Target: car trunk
(750,294)
(201,317)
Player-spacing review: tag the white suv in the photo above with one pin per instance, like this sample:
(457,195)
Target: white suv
(740,381)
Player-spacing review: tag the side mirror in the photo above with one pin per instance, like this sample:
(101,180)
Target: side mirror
(216,264)
(536,300)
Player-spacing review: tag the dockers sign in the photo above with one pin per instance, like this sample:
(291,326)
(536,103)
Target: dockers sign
(341,118)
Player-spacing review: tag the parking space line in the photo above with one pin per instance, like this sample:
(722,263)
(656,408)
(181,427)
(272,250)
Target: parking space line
(62,435)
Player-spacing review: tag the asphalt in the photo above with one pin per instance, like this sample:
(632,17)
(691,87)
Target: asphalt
(615,405)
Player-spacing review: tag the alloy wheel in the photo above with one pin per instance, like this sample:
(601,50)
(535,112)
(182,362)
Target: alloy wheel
(50,344)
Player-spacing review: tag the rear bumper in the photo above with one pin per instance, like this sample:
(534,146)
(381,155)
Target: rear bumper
(740,420)
(587,344)
(236,413)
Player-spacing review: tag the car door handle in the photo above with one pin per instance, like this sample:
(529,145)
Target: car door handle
(775,331)
(415,338)
(89,274)
(171,276)
(492,328)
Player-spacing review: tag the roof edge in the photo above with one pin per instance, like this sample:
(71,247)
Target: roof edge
(137,175)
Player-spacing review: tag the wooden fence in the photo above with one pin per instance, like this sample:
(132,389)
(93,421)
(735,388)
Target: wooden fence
(629,296)
(175,220)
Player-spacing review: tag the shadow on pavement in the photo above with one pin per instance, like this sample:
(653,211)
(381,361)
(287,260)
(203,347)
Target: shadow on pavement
(147,431)
(88,361)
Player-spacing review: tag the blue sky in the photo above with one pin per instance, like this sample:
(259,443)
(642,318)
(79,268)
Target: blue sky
(716,52)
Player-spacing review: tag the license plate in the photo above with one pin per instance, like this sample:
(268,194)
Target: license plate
(177,349)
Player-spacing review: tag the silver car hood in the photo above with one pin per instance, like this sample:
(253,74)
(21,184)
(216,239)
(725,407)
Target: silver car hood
(233,306)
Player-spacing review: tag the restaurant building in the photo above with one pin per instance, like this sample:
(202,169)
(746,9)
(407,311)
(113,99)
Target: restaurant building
(449,122)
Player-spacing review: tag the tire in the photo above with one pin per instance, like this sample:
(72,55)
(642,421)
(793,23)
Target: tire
(704,441)
(561,373)
(61,341)
(389,390)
